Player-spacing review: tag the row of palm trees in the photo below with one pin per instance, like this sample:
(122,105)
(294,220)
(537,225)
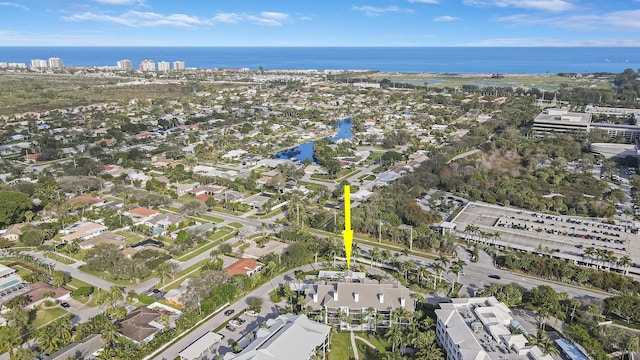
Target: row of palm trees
(601,256)
(475,231)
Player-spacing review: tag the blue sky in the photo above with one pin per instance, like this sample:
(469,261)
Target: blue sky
(320,22)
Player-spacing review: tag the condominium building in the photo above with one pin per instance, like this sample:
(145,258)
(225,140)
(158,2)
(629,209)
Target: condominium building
(178,65)
(38,63)
(163,66)
(56,63)
(148,65)
(124,64)
(478,329)
(357,306)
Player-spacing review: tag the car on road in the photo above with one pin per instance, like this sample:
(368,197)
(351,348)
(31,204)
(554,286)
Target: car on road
(65,305)
(494,276)
(229,312)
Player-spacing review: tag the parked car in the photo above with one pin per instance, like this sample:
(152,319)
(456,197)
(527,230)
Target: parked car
(230,328)
(251,313)
(229,312)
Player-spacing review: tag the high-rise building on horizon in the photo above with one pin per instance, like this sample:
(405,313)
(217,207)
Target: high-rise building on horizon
(56,63)
(178,65)
(124,64)
(148,65)
(38,63)
(163,66)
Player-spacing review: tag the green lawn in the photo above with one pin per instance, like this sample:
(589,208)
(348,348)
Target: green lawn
(107,276)
(44,316)
(225,235)
(129,237)
(57,257)
(340,348)
(75,283)
(213,219)
(235,225)
(275,298)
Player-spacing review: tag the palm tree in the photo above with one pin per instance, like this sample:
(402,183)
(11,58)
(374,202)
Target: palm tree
(163,271)
(589,252)
(438,268)
(394,335)
(116,294)
(407,266)
(374,254)
(625,262)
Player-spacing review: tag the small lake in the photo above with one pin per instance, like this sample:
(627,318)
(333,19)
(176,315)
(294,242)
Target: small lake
(305,151)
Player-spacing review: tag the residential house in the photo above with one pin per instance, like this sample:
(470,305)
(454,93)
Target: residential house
(140,214)
(13,232)
(36,294)
(105,238)
(161,223)
(140,325)
(82,231)
(247,266)
(85,349)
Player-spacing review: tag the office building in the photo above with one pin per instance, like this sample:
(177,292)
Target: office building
(478,329)
(178,65)
(124,64)
(38,63)
(56,63)
(148,65)
(163,66)
(287,337)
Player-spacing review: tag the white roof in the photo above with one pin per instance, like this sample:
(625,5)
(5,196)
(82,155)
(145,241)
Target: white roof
(5,270)
(289,337)
(196,348)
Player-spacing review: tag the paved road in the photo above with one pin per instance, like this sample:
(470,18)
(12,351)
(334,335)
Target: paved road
(211,324)
(74,272)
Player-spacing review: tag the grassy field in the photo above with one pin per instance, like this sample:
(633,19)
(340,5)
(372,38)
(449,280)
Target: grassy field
(458,80)
(341,346)
(38,92)
(57,257)
(44,316)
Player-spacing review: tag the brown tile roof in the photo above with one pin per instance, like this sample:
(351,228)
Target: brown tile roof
(136,326)
(140,211)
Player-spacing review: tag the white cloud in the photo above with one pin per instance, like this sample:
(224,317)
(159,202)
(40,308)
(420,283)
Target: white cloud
(19,6)
(626,20)
(424,1)
(119,2)
(229,18)
(545,5)
(266,18)
(141,19)
(377,11)
(446,18)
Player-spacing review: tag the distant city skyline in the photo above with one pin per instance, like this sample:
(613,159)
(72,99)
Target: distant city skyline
(320,23)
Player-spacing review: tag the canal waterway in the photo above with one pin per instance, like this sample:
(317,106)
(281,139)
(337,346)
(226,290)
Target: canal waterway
(305,151)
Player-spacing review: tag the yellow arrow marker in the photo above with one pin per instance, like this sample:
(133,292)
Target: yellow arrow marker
(347,233)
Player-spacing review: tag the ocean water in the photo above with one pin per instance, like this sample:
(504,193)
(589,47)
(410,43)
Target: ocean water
(472,60)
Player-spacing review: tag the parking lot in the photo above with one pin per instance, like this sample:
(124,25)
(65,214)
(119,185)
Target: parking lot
(563,236)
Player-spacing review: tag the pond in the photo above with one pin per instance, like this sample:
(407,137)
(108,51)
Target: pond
(305,151)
